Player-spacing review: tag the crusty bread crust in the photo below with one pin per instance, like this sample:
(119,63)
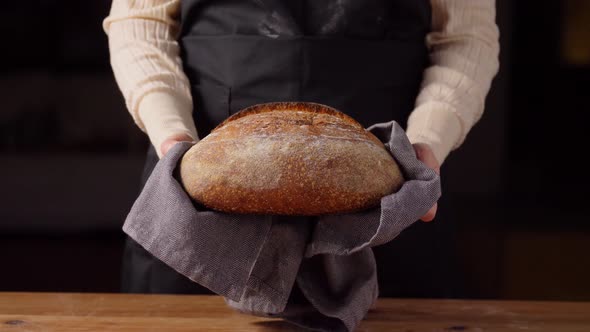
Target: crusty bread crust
(292,159)
(291,106)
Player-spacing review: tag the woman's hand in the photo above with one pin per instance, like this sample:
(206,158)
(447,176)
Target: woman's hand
(424,154)
(170,141)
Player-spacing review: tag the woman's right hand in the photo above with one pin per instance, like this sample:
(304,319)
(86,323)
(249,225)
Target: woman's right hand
(170,141)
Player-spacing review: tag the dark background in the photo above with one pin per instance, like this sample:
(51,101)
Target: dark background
(71,157)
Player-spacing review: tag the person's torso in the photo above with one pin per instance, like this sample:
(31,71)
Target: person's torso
(359,19)
(363,57)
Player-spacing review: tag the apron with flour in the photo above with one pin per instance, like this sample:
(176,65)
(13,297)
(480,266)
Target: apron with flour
(362,57)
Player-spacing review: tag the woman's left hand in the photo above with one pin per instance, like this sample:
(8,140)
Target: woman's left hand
(424,154)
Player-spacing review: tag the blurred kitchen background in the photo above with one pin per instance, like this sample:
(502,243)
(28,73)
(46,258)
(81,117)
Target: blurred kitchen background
(71,157)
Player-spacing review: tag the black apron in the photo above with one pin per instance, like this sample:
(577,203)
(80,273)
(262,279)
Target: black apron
(363,57)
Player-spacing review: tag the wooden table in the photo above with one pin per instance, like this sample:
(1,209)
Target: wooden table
(123,312)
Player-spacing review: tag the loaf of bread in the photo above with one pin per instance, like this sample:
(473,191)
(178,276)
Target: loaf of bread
(291,159)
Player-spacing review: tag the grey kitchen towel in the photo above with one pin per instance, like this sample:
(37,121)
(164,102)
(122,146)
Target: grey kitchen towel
(316,272)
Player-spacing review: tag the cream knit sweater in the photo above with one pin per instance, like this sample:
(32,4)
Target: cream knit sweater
(463,48)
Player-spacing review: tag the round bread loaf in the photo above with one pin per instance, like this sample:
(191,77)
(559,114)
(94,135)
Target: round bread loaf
(289,158)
